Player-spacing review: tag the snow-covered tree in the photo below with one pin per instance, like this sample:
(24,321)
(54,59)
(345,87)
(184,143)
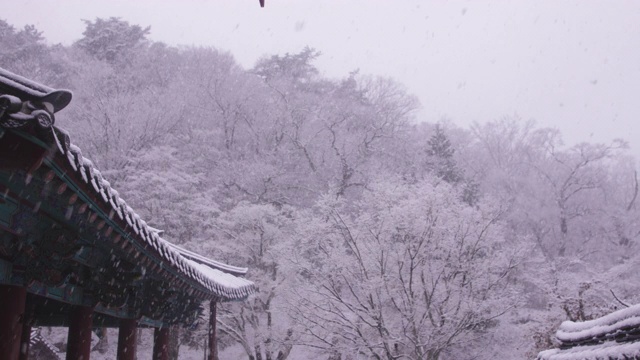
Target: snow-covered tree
(112,40)
(256,236)
(409,272)
(26,52)
(440,152)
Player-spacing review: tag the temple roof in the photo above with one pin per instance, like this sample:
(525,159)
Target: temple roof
(611,337)
(28,90)
(221,279)
(66,234)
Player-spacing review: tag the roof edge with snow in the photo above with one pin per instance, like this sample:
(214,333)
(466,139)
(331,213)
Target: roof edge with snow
(27,109)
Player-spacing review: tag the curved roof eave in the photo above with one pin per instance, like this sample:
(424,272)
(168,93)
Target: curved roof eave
(214,279)
(191,265)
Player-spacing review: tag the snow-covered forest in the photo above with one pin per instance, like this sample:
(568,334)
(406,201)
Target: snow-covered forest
(370,233)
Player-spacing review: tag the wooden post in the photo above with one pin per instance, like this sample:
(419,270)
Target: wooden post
(127,339)
(79,338)
(161,343)
(213,345)
(12,306)
(25,341)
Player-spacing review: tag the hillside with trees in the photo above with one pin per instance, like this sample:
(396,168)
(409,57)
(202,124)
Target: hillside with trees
(370,233)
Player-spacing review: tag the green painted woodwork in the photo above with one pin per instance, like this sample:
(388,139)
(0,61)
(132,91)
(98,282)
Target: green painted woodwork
(127,235)
(36,214)
(67,293)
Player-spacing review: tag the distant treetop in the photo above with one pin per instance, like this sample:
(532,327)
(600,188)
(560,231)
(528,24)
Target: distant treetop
(113,39)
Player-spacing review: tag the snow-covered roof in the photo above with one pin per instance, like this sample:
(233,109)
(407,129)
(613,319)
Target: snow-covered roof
(197,258)
(605,351)
(42,347)
(221,279)
(613,336)
(209,278)
(30,90)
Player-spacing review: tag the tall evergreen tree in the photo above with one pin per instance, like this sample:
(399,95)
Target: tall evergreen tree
(441,160)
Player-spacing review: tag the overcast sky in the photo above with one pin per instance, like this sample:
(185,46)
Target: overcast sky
(574,65)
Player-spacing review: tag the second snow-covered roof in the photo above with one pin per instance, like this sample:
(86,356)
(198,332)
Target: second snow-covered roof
(611,337)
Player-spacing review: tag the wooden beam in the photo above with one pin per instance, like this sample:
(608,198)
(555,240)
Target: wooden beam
(49,176)
(82,208)
(36,164)
(61,189)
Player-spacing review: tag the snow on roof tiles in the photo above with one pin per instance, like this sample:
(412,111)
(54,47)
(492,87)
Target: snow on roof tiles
(210,263)
(220,279)
(606,351)
(30,90)
(613,336)
(572,331)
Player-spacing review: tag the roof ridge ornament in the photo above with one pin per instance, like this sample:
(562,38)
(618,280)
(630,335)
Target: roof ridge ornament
(23,108)
(28,90)
(25,103)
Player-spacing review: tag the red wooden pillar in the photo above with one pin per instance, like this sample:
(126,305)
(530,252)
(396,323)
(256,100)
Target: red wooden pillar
(213,344)
(79,338)
(25,341)
(127,339)
(161,343)
(12,305)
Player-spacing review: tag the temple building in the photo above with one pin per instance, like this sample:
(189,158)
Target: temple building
(74,254)
(615,336)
